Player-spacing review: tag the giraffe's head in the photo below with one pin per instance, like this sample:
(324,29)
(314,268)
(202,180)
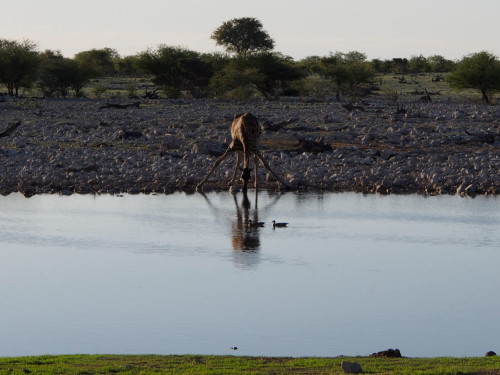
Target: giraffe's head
(245,176)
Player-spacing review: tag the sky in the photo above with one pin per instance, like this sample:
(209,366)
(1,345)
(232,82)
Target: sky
(382,29)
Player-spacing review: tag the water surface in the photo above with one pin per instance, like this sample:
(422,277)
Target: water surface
(178,274)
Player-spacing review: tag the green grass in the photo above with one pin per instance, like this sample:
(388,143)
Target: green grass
(204,364)
(389,86)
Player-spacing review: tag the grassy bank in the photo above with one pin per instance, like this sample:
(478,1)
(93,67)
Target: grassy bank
(198,364)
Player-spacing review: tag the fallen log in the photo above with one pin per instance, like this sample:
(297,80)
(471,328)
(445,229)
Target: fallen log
(120,106)
(488,138)
(307,145)
(128,134)
(351,107)
(11,128)
(269,126)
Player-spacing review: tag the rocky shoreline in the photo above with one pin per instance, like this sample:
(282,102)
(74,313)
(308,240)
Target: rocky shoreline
(120,146)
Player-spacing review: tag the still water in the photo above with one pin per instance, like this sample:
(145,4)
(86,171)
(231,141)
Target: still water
(179,274)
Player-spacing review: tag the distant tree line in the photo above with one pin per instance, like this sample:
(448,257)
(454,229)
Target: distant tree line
(249,67)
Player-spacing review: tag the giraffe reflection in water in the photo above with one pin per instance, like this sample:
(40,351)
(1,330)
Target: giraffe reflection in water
(245,238)
(244,235)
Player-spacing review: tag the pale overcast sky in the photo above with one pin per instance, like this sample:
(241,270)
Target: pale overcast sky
(379,28)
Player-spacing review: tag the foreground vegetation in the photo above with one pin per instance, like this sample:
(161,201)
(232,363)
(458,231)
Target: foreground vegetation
(200,364)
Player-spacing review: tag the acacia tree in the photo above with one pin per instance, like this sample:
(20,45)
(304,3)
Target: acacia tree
(127,66)
(480,71)
(176,69)
(399,65)
(347,70)
(51,78)
(268,73)
(101,62)
(272,73)
(418,64)
(18,64)
(58,74)
(439,64)
(242,36)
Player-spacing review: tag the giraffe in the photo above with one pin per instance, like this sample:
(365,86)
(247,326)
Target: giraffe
(245,133)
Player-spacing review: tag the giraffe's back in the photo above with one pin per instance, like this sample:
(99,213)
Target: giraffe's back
(245,129)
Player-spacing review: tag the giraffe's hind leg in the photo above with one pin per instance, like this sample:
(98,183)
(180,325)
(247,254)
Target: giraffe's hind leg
(216,164)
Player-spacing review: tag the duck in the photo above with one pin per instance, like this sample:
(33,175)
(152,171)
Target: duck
(255,224)
(279,225)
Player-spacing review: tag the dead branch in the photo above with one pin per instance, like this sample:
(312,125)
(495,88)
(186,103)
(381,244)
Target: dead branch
(121,106)
(151,94)
(488,138)
(128,134)
(11,128)
(351,107)
(307,145)
(269,126)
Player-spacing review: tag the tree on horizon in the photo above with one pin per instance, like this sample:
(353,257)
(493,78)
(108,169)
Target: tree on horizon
(242,36)
(19,63)
(480,71)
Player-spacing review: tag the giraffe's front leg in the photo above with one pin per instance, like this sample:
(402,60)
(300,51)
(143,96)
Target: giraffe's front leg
(256,162)
(236,167)
(245,176)
(216,164)
(266,165)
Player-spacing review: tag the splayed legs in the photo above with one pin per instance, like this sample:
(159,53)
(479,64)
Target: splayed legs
(216,164)
(264,162)
(246,171)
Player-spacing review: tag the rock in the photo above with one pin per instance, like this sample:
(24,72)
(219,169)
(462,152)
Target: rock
(490,354)
(61,146)
(367,139)
(389,353)
(351,367)
(441,128)
(471,190)
(127,134)
(212,148)
(461,190)
(20,142)
(171,142)
(388,154)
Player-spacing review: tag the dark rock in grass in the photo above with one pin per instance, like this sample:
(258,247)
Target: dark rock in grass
(490,354)
(389,353)
(351,367)
(128,134)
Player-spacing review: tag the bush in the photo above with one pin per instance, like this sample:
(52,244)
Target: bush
(480,71)
(99,89)
(18,65)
